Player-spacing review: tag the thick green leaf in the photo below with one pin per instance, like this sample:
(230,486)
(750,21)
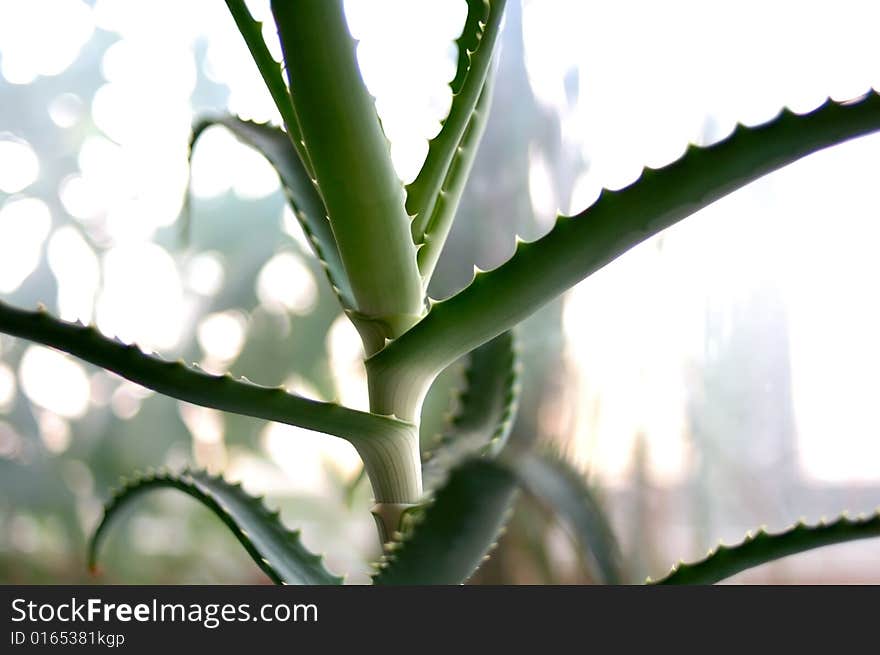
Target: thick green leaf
(762,547)
(556,483)
(485,412)
(301,193)
(449,538)
(386,444)
(275,549)
(476,48)
(578,246)
(352,164)
(189,383)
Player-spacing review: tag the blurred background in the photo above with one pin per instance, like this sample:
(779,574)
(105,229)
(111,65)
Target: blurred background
(718,377)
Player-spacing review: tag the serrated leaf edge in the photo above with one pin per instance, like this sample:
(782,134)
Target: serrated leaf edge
(340,287)
(186,481)
(459,398)
(863,527)
(415,517)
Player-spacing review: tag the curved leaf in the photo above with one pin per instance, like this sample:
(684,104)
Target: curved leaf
(388,446)
(762,547)
(270,70)
(552,480)
(449,538)
(306,202)
(578,246)
(486,409)
(275,549)
(195,386)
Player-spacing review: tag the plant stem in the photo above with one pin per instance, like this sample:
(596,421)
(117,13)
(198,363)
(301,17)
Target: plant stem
(404,476)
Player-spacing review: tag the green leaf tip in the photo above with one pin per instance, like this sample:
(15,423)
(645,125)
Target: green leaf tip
(761,547)
(278,551)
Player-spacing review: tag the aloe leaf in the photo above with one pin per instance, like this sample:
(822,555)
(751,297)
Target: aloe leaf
(188,383)
(442,212)
(559,486)
(388,446)
(350,155)
(476,47)
(449,538)
(762,547)
(270,70)
(274,548)
(305,200)
(486,409)
(580,245)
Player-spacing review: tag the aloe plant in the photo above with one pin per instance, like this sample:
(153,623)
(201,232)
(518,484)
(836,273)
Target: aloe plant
(379,242)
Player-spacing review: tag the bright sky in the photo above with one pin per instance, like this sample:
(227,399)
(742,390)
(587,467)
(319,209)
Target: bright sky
(653,77)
